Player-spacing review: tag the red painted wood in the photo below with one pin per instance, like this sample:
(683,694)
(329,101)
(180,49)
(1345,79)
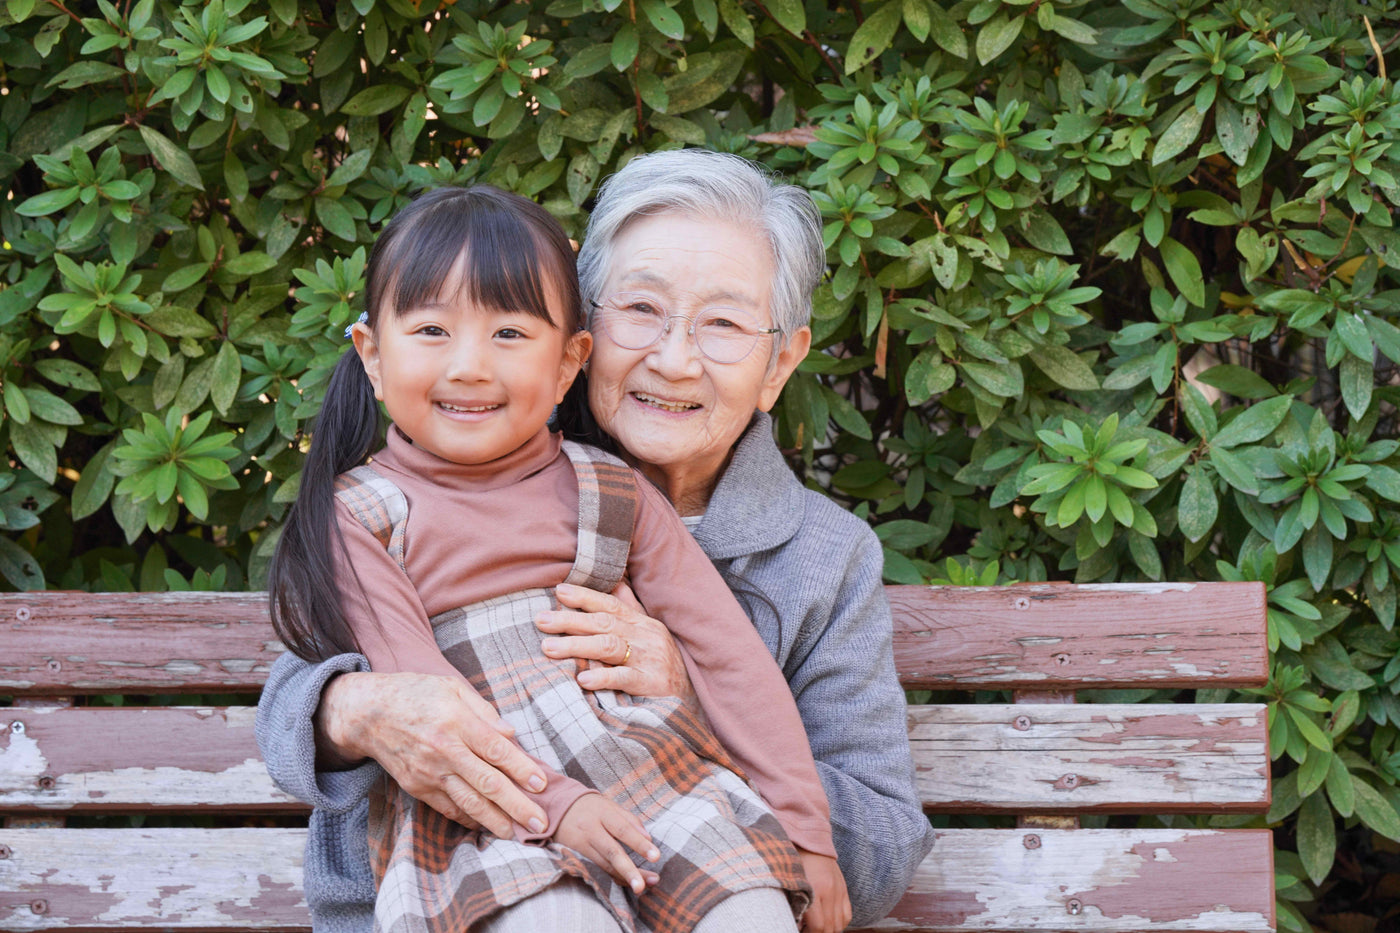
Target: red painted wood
(1061,637)
(65,642)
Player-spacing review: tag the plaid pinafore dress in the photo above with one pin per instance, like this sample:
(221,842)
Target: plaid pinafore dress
(654,756)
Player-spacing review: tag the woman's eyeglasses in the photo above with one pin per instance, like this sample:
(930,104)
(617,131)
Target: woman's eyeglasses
(636,322)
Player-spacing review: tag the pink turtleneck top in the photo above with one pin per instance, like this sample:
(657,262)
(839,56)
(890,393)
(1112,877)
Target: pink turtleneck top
(479,531)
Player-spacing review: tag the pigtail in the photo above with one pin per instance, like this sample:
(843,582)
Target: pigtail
(574,419)
(302,588)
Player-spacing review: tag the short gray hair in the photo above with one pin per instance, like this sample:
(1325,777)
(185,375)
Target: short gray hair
(727,187)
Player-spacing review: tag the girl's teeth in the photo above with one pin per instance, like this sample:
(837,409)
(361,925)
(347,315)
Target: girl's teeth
(479,409)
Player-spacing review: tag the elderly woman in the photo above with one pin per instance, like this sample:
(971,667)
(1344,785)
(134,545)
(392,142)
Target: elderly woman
(685,251)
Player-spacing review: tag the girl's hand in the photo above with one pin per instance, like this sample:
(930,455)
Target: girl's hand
(830,910)
(604,628)
(597,828)
(436,737)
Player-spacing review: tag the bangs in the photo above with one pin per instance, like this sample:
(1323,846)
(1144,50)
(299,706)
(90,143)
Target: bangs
(506,261)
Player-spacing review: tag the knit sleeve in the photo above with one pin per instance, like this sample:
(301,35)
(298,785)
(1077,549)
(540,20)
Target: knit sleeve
(738,684)
(395,634)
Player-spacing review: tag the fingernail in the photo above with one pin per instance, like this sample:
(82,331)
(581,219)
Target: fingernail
(564,588)
(653,855)
(586,678)
(536,783)
(536,825)
(638,885)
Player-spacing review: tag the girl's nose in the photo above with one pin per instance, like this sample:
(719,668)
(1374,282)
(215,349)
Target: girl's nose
(468,361)
(675,355)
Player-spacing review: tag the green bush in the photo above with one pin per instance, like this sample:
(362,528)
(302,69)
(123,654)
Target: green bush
(1112,294)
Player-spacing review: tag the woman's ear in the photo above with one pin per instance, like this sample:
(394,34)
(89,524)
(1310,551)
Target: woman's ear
(784,366)
(576,353)
(368,350)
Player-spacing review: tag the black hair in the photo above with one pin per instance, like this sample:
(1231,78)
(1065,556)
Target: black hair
(415,255)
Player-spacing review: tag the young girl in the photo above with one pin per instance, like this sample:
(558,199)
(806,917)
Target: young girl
(438,555)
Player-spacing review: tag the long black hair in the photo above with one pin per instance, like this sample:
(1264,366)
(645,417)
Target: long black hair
(517,258)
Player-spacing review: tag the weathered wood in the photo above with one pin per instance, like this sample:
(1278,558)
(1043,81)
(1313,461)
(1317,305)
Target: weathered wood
(1059,637)
(1092,881)
(1092,758)
(175,879)
(987,880)
(60,642)
(97,758)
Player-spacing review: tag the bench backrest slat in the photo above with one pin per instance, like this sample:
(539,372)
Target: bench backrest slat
(1091,758)
(1058,636)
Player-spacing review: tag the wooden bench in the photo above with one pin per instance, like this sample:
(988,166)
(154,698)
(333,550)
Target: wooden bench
(1039,762)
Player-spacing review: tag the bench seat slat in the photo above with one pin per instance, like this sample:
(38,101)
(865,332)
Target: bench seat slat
(1092,881)
(1093,758)
(133,758)
(987,880)
(1059,637)
(178,879)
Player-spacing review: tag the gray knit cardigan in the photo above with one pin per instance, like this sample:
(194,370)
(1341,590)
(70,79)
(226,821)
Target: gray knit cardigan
(809,574)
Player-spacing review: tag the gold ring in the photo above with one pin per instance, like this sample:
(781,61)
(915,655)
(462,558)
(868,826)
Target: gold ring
(628,654)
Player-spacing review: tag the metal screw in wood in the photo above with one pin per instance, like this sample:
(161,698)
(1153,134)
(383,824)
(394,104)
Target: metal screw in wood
(4,852)
(23,613)
(1031,842)
(1074,905)
(39,906)
(46,782)
(1022,723)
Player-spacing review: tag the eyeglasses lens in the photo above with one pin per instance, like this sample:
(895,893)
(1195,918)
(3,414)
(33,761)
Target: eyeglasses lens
(725,335)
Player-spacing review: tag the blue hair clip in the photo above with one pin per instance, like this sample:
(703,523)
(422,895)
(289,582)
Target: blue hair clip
(362,319)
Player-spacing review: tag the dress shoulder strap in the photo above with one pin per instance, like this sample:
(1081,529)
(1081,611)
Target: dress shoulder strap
(377,504)
(607,512)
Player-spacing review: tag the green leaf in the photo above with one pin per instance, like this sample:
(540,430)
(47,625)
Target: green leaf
(16,403)
(1003,381)
(1341,787)
(1198,507)
(1254,424)
(1065,367)
(335,218)
(1375,811)
(947,31)
(226,376)
(1357,379)
(67,373)
(996,36)
(19,567)
(1185,271)
(374,100)
(46,406)
(1238,381)
(790,14)
(1182,133)
(48,202)
(1317,837)
(35,450)
(174,159)
(624,47)
(1045,233)
(873,36)
(666,20)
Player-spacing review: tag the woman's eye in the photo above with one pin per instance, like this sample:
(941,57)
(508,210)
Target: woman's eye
(644,309)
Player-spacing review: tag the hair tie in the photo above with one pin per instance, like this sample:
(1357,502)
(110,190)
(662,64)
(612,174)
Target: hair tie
(362,319)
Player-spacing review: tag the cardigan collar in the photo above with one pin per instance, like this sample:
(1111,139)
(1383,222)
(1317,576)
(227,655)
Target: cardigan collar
(758,503)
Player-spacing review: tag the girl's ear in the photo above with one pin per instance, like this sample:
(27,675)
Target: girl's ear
(784,366)
(368,350)
(576,352)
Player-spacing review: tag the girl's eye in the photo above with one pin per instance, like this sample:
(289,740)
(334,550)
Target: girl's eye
(509,333)
(432,330)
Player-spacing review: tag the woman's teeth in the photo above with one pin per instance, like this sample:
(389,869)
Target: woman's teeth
(664,405)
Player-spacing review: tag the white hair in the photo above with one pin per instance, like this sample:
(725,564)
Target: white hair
(705,184)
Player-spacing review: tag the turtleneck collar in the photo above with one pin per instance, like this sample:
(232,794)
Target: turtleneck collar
(400,454)
(758,503)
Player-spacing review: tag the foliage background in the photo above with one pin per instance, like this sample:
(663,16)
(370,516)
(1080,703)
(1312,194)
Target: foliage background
(1111,292)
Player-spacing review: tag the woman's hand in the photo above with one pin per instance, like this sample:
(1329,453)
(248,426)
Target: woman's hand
(830,909)
(597,829)
(439,740)
(615,630)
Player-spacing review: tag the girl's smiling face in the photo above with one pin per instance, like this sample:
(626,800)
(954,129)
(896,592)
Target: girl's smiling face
(467,383)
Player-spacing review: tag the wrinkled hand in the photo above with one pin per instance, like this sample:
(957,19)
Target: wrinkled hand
(602,629)
(830,910)
(441,742)
(597,828)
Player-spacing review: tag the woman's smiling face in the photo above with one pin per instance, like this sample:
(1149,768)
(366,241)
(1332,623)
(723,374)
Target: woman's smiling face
(675,412)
